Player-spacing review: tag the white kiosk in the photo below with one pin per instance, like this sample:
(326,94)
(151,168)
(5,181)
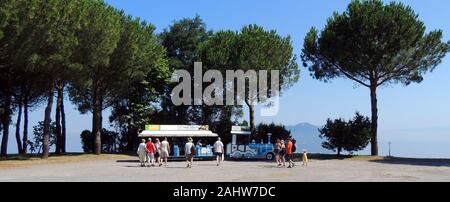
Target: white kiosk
(178,134)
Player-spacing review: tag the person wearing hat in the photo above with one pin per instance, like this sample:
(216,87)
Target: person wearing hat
(189,150)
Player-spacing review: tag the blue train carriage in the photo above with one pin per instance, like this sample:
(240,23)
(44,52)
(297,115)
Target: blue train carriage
(241,147)
(177,136)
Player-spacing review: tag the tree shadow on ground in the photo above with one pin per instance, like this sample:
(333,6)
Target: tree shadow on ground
(22,157)
(212,164)
(127,161)
(298,156)
(273,166)
(176,167)
(414,161)
(135,166)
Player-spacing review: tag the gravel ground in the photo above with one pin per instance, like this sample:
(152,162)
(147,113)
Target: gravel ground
(230,171)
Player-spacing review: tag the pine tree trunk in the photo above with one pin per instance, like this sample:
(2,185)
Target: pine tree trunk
(6,122)
(47,120)
(252,118)
(18,139)
(25,125)
(374,128)
(97,121)
(251,109)
(63,121)
(58,118)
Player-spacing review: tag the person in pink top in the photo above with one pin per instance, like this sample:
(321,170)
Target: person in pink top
(157,151)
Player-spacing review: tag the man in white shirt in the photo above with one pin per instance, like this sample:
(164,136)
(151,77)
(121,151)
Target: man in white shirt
(218,150)
(188,151)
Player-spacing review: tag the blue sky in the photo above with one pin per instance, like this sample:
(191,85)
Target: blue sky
(415,118)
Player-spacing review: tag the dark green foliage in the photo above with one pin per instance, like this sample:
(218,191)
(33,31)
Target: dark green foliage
(373,40)
(374,44)
(99,51)
(36,41)
(353,135)
(110,141)
(278,132)
(118,70)
(87,141)
(253,48)
(183,41)
(38,137)
(143,80)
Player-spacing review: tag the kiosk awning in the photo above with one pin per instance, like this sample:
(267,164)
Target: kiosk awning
(173,133)
(177,131)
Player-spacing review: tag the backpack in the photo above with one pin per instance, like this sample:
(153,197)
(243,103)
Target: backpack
(294,148)
(193,150)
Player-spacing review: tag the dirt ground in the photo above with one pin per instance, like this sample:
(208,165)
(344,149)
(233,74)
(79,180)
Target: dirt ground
(107,168)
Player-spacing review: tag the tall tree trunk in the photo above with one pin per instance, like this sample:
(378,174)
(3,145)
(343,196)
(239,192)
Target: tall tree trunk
(339,151)
(251,109)
(374,128)
(25,125)
(47,120)
(58,118)
(63,121)
(252,118)
(18,139)
(6,122)
(97,121)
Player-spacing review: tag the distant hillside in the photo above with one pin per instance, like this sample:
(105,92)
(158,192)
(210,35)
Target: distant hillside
(307,136)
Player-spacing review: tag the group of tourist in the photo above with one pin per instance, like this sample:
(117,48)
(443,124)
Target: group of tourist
(284,150)
(190,151)
(153,152)
(157,152)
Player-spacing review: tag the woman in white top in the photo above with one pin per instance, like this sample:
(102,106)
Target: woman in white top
(165,148)
(142,153)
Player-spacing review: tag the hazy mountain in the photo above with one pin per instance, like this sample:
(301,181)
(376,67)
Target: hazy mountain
(307,136)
